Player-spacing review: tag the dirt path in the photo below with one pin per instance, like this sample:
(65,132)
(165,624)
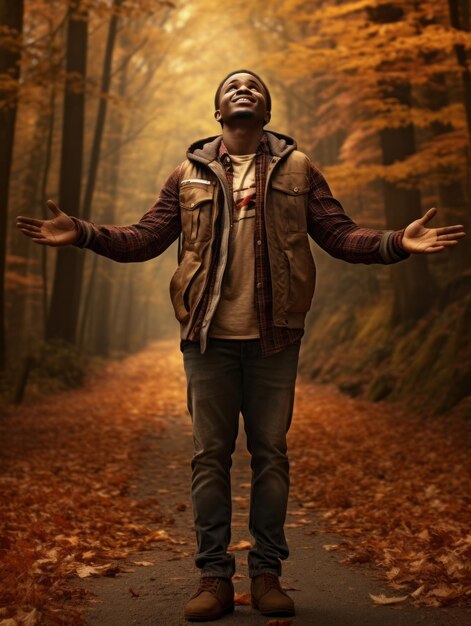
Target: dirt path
(326,592)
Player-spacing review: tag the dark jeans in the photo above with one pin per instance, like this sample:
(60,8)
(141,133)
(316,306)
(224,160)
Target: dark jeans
(229,378)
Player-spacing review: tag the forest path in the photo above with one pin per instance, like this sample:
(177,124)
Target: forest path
(326,592)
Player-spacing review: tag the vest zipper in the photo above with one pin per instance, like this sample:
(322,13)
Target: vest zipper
(216,294)
(274,162)
(195,180)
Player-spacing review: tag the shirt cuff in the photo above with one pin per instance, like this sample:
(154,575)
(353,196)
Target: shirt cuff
(391,249)
(85,231)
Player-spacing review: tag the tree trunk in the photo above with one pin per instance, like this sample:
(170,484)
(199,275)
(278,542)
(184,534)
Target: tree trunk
(63,312)
(412,283)
(459,19)
(101,115)
(79,259)
(87,302)
(128,327)
(44,183)
(23,305)
(104,282)
(452,195)
(11,17)
(116,312)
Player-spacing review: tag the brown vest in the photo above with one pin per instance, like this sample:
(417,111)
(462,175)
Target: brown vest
(292,268)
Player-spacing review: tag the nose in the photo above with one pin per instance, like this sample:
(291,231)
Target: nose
(242,89)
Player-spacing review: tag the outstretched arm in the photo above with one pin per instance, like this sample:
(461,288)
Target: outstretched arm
(155,231)
(421,240)
(58,231)
(341,237)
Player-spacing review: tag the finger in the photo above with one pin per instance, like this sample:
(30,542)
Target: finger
(29,220)
(28,233)
(428,216)
(39,237)
(434,249)
(42,241)
(450,231)
(440,246)
(54,208)
(450,236)
(30,228)
(449,243)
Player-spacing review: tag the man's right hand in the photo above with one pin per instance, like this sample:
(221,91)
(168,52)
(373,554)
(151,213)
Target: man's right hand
(59,231)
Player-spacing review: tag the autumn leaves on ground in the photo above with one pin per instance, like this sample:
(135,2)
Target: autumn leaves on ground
(395,485)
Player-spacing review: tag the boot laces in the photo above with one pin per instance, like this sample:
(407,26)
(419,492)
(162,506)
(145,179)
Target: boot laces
(209,583)
(271,581)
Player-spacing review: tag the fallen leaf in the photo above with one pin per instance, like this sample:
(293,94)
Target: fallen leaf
(30,618)
(382,599)
(162,535)
(240,500)
(330,546)
(88,555)
(84,571)
(443,591)
(241,545)
(418,591)
(243,598)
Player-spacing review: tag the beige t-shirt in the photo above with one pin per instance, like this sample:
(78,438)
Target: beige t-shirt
(235,316)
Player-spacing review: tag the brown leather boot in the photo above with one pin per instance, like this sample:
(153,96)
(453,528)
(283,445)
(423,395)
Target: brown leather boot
(268,596)
(214,598)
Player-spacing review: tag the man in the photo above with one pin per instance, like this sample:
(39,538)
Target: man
(244,203)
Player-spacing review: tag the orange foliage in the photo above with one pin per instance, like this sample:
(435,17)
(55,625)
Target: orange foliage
(340,59)
(67,506)
(396,484)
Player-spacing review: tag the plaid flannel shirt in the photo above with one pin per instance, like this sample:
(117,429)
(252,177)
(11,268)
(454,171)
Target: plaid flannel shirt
(327,223)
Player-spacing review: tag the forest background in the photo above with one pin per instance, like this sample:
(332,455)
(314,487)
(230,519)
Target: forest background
(99,100)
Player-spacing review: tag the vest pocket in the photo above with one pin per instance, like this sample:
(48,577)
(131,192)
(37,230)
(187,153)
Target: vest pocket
(196,202)
(291,194)
(181,282)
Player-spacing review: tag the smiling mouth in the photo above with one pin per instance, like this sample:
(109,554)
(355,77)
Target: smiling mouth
(243,100)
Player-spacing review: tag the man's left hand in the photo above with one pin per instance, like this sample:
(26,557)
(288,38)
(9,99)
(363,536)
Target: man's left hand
(421,240)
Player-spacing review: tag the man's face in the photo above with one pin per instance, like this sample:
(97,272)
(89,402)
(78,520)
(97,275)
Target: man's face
(242,96)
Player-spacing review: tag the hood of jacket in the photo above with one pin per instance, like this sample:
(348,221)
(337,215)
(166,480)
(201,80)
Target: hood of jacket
(206,150)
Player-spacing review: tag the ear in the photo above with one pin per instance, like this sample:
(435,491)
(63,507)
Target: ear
(267,117)
(217,115)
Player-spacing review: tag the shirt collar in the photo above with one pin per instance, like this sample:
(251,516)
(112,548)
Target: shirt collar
(262,148)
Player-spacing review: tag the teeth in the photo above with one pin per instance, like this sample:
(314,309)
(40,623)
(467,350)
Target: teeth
(243,100)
